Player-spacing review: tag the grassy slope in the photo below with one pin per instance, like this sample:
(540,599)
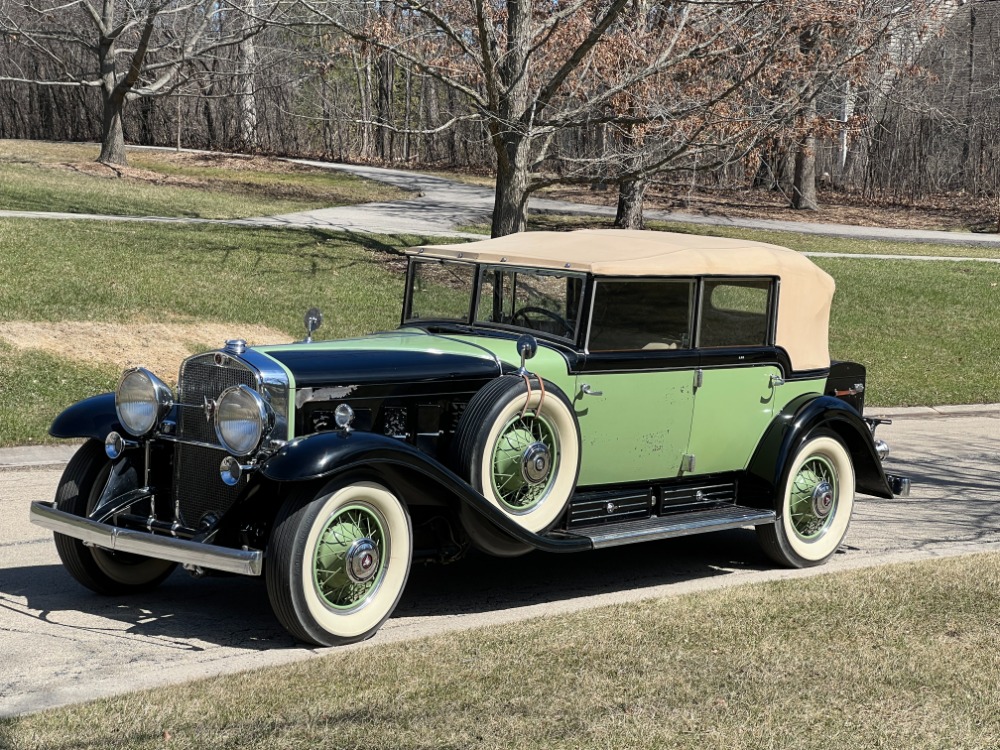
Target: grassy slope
(38,177)
(897,657)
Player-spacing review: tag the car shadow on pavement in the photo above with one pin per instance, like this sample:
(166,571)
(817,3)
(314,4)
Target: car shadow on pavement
(232,611)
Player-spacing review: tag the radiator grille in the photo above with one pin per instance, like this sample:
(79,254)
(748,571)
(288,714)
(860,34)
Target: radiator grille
(201,378)
(197,487)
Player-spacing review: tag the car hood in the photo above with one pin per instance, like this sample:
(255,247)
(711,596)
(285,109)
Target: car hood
(410,356)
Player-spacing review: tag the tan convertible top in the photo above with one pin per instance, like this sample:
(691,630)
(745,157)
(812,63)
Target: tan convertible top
(803,302)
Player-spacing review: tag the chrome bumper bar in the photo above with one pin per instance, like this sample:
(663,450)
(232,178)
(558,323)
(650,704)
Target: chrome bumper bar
(196,554)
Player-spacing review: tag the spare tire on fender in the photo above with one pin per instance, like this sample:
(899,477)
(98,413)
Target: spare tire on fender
(520,448)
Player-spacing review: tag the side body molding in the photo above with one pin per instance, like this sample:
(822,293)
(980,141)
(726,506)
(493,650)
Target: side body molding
(788,432)
(327,454)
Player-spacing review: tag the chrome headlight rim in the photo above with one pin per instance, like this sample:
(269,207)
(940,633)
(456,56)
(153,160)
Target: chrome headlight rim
(264,419)
(161,399)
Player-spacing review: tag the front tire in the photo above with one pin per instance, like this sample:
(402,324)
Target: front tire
(816,505)
(100,570)
(338,561)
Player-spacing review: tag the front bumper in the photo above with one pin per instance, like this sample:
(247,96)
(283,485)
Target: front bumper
(193,554)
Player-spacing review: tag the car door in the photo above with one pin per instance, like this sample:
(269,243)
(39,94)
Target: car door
(634,386)
(739,370)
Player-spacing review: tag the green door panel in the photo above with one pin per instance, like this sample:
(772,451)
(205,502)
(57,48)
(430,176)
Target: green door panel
(732,408)
(637,429)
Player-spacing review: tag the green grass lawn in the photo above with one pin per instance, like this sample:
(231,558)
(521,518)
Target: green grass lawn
(36,176)
(895,657)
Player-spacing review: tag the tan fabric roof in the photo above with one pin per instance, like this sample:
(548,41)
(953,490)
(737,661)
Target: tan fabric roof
(804,298)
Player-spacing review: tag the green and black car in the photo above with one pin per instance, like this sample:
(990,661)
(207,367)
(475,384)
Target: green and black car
(545,391)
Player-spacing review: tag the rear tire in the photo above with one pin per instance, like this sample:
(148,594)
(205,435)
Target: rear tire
(816,505)
(100,570)
(338,561)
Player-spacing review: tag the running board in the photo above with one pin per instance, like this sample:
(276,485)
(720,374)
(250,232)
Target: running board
(673,525)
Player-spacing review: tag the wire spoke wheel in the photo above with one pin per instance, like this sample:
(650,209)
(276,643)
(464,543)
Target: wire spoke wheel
(813,501)
(349,558)
(338,560)
(814,505)
(525,460)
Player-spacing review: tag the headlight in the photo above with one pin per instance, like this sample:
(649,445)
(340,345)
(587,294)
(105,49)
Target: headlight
(141,400)
(241,418)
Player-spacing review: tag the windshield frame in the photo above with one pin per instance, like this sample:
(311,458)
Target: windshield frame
(470,320)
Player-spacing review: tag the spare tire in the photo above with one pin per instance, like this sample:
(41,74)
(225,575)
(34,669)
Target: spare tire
(521,451)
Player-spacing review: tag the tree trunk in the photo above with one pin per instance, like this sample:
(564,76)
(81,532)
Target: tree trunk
(510,206)
(112,135)
(804,181)
(246,70)
(386,69)
(631,193)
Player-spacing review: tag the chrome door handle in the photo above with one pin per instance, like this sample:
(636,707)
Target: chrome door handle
(586,390)
(777,380)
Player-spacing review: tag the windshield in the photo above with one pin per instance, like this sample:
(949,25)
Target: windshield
(533,299)
(441,291)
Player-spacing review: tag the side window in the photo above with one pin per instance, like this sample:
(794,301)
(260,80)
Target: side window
(735,312)
(641,314)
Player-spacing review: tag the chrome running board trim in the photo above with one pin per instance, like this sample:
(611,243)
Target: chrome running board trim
(196,554)
(674,525)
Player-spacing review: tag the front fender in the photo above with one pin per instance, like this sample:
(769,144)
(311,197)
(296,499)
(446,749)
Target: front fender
(93,417)
(328,454)
(790,430)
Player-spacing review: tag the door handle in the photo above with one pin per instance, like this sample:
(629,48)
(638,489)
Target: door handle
(586,390)
(777,380)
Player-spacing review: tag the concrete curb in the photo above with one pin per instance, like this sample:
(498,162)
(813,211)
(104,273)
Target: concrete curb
(40,456)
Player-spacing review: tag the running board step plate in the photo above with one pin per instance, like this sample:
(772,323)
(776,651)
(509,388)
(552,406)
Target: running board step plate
(676,524)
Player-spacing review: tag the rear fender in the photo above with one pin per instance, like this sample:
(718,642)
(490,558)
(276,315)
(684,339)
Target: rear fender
(326,455)
(793,427)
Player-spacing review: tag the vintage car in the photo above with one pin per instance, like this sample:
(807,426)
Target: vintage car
(545,391)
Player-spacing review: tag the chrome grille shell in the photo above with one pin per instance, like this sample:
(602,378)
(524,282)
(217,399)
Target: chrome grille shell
(197,487)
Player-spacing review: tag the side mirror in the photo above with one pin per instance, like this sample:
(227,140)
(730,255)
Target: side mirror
(527,347)
(313,320)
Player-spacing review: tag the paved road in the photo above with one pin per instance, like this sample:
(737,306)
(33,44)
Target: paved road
(61,644)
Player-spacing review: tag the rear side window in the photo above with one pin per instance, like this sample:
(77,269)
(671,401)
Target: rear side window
(641,314)
(736,312)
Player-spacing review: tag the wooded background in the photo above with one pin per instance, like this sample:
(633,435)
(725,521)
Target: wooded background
(896,101)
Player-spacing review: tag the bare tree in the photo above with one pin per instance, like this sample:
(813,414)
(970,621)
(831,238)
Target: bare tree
(124,49)
(532,72)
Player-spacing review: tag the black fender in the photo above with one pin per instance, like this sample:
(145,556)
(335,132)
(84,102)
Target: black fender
(93,417)
(790,430)
(326,455)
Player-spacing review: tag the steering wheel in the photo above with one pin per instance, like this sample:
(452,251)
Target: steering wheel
(523,313)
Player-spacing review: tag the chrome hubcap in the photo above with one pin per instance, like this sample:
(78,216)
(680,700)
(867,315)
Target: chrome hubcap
(822,499)
(362,560)
(535,463)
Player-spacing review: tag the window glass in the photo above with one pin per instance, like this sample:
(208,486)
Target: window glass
(536,300)
(441,290)
(641,314)
(735,313)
